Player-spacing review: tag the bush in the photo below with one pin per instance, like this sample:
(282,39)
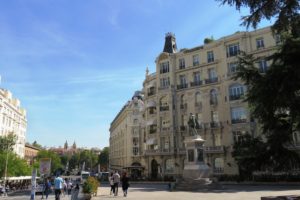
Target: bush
(90,186)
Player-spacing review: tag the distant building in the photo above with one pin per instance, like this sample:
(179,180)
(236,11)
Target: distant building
(127,138)
(13,120)
(66,150)
(31,153)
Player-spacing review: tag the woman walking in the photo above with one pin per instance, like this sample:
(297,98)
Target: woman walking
(111,182)
(125,183)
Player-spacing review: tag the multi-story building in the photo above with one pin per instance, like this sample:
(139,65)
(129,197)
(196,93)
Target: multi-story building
(13,120)
(127,138)
(196,82)
(31,153)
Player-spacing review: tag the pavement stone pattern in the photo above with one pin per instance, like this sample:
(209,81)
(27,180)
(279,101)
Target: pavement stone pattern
(161,192)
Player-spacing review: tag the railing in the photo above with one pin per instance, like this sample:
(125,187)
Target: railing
(198,104)
(218,170)
(214,149)
(213,102)
(211,80)
(237,121)
(235,97)
(182,86)
(196,83)
(164,108)
(164,87)
(158,152)
(165,129)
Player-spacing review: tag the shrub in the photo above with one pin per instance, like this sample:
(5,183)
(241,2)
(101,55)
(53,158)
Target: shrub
(90,186)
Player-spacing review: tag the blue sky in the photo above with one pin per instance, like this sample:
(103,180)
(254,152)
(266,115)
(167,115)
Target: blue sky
(75,63)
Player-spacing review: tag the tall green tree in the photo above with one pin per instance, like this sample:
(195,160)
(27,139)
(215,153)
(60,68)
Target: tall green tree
(273,97)
(15,165)
(104,158)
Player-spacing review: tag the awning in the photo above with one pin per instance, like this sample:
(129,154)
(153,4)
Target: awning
(151,122)
(151,104)
(151,141)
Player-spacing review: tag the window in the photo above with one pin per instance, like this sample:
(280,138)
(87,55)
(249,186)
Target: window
(212,74)
(236,91)
(197,99)
(277,39)
(232,67)
(182,80)
(262,66)
(210,56)
(196,60)
(170,166)
(135,141)
(213,97)
(164,67)
(164,82)
(238,115)
(237,135)
(197,77)
(135,151)
(219,163)
(181,63)
(260,43)
(214,116)
(232,50)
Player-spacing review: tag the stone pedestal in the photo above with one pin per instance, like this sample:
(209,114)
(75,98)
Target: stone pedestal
(194,166)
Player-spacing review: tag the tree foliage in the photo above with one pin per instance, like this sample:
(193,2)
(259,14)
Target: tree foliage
(7,142)
(15,165)
(104,157)
(273,97)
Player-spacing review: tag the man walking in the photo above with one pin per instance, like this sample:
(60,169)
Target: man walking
(116,178)
(58,186)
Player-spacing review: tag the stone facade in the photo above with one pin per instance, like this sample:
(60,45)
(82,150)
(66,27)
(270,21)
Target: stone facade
(13,120)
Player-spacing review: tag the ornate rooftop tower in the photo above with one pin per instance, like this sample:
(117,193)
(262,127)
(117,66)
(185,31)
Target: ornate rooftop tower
(170,43)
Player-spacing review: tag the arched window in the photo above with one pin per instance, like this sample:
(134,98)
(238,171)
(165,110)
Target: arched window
(236,91)
(213,97)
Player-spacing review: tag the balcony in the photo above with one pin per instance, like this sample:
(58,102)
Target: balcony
(181,150)
(236,97)
(213,101)
(150,152)
(196,83)
(238,121)
(214,149)
(164,87)
(182,86)
(164,108)
(211,80)
(151,93)
(165,129)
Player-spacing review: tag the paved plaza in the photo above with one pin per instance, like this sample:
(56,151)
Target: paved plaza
(160,192)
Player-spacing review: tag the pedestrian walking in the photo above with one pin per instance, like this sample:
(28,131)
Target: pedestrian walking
(116,178)
(125,183)
(75,192)
(111,183)
(58,187)
(47,189)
